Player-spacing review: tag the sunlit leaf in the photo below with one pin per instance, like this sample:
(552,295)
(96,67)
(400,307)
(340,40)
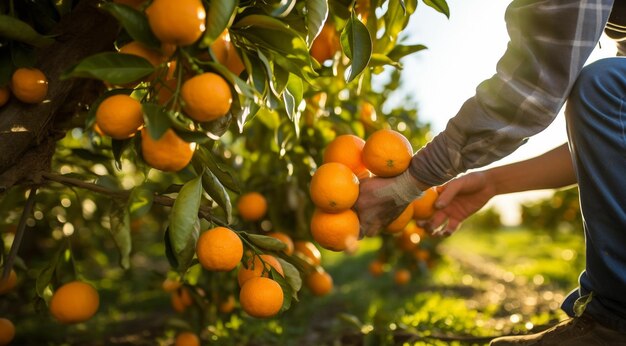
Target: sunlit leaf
(400,51)
(357,45)
(266,242)
(120,230)
(219,17)
(156,119)
(439,5)
(317,12)
(111,67)
(140,201)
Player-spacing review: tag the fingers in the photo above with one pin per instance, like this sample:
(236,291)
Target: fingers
(447,193)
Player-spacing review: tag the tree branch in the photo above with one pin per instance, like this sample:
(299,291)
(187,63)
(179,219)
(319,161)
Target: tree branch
(204,212)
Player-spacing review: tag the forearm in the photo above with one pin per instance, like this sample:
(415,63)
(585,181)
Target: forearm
(550,170)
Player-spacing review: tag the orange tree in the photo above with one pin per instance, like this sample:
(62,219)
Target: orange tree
(157,117)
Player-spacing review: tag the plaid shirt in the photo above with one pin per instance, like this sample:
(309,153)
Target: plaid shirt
(550,40)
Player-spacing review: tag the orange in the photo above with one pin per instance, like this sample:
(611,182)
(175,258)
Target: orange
(170,285)
(136,48)
(319,282)
(347,149)
(401,221)
(187,339)
(261,297)
(119,116)
(308,251)
(252,206)
(387,153)
(260,267)
(221,47)
(29,85)
(169,153)
(219,249)
(402,277)
(367,114)
(228,305)
(9,284)
(181,299)
(335,231)
(424,206)
(74,302)
(234,63)
(206,97)
(409,238)
(326,44)
(421,254)
(285,239)
(362,9)
(376,268)
(334,188)
(179,22)
(5,94)
(7,331)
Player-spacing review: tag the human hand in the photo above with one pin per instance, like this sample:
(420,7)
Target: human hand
(458,199)
(381,200)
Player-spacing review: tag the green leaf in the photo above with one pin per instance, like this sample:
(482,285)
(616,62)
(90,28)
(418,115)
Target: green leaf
(357,45)
(183,226)
(317,12)
(382,60)
(292,275)
(169,251)
(266,242)
(400,51)
(218,193)
(140,201)
(120,230)
(156,119)
(47,273)
(17,30)
(440,6)
(219,17)
(134,22)
(225,176)
(111,67)
(282,8)
(118,147)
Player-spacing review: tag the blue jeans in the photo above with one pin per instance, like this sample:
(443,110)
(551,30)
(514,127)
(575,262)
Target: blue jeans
(596,125)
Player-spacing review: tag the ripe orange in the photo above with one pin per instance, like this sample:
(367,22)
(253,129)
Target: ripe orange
(221,47)
(347,149)
(7,285)
(421,254)
(402,277)
(74,302)
(257,268)
(285,239)
(387,153)
(179,22)
(170,285)
(234,63)
(401,221)
(409,238)
(206,97)
(181,299)
(326,44)
(335,231)
(169,153)
(319,282)
(334,187)
(252,206)
(424,206)
(29,85)
(119,116)
(5,93)
(308,251)
(228,305)
(219,249)
(376,268)
(139,49)
(261,297)
(7,331)
(367,114)
(187,339)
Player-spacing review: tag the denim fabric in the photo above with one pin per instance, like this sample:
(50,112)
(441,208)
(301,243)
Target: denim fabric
(596,125)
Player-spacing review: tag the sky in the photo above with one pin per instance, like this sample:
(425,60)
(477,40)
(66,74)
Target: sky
(462,52)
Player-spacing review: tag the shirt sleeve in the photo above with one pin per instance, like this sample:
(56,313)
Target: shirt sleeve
(549,43)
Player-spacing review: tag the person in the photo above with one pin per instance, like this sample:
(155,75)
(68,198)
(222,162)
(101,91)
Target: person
(542,68)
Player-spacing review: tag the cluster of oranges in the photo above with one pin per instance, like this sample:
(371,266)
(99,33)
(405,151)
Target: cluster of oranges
(202,97)
(334,186)
(28,85)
